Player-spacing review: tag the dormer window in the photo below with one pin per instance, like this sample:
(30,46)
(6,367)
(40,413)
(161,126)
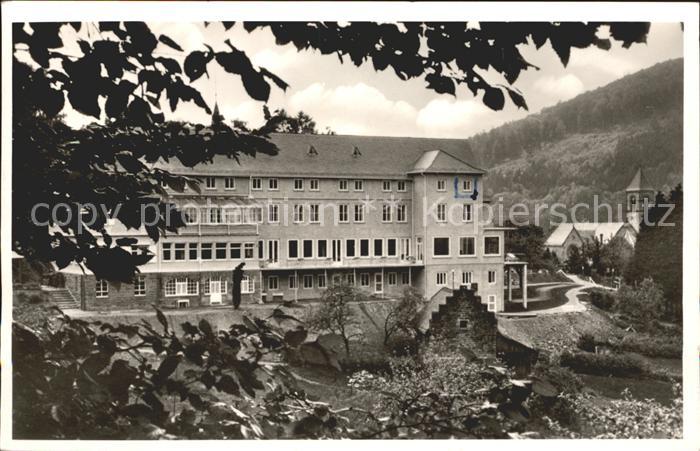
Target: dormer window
(356,152)
(466,185)
(441,185)
(312,151)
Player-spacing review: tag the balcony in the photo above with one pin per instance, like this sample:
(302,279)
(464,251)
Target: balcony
(328,263)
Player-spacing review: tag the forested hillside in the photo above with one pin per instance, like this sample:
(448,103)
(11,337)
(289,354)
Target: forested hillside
(591,144)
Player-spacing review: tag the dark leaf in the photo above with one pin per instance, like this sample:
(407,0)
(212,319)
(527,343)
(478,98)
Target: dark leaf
(205,327)
(494,99)
(226,384)
(283,85)
(162,319)
(196,64)
(294,338)
(169,42)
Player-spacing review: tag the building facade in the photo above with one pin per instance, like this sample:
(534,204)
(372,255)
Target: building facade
(375,212)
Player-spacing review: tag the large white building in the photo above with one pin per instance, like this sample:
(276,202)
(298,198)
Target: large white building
(377,212)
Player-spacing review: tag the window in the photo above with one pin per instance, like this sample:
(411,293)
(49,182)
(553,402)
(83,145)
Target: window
(229,183)
(466,277)
(273,283)
(337,279)
(139,286)
(467,212)
(235,251)
(378,247)
(491,304)
(466,185)
(233,215)
(492,277)
(462,324)
(359,213)
(386,213)
(342,185)
(293,249)
(101,289)
(247,285)
(492,245)
(298,184)
(273,184)
(441,185)
(214,215)
(378,282)
(193,251)
(401,213)
(364,247)
(298,213)
(441,278)
(442,212)
(401,186)
(313,185)
(220,253)
(293,282)
(350,248)
(167,251)
(308,281)
(359,186)
(256,183)
(391,247)
(386,185)
(391,278)
(343,213)
(441,247)
(273,213)
(254,215)
(181,286)
(322,281)
(467,246)
(206,251)
(215,285)
(179,251)
(210,182)
(308,248)
(364,279)
(314,215)
(405,248)
(191,215)
(249,250)
(322,249)
(405,279)
(350,279)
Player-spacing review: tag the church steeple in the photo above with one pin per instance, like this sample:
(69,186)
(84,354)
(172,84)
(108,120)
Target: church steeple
(640,196)
(216,116)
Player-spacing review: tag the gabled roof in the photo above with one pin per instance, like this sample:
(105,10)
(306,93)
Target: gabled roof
(639,182)
(378,156)
(441,162)
(560,234)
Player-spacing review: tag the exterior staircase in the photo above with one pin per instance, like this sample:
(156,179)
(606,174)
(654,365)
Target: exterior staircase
(433,307)
(61,297)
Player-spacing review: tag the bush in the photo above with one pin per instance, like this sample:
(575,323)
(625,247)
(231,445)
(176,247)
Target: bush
(622,365)
(602,299)
(586,342)
(642,303)
(666,346)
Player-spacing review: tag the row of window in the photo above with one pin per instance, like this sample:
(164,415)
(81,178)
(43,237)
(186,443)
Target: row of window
(253,215)
(467,246)
(207,251)
(360,247)
(308,281)
(467,277)
(299,184)
(181,286)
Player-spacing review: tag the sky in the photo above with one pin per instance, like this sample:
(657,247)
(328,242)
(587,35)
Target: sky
(362,101)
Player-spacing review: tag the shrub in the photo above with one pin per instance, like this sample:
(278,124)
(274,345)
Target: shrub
(586,342)
(604,364)
(602,299)
(643,303)
(666,346)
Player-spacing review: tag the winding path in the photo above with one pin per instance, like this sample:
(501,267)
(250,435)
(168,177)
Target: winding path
(573,303)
